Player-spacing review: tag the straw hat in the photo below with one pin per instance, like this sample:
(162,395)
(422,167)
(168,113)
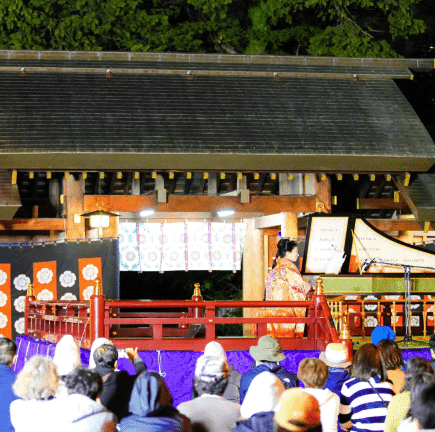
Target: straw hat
(268,349)
(297,411)
(335,355)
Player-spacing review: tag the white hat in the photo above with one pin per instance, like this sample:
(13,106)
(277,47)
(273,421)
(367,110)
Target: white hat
(215,349)
(66,356)
(210,368)
(263,394)
(335,355)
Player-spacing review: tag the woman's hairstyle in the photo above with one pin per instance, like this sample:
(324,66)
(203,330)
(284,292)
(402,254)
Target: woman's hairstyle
(423,405)
(37,380)
(391,354)
(367,363)
(313,372)
(414,366)
(85,382)
(7,350)
(209,387)
(418,383)
(284,245)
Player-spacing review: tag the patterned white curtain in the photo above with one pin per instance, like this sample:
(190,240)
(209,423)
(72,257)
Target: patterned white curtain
(181,246)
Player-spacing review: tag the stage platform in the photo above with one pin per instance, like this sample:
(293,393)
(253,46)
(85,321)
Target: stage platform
(176,367)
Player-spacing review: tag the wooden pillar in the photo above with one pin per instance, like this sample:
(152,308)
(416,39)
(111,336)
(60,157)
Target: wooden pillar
(289,225)
(322,189)
(74,205)
(253,278)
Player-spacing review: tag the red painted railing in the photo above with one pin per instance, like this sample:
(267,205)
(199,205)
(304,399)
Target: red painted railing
(149,330)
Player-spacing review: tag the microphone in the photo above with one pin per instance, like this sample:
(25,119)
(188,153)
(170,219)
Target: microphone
(366,264)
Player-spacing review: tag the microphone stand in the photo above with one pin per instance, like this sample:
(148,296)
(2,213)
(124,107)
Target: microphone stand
(407,305)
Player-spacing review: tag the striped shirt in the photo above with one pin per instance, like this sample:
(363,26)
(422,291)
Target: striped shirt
(363,406)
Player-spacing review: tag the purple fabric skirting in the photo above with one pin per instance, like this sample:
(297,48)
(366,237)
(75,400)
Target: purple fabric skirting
(176,367)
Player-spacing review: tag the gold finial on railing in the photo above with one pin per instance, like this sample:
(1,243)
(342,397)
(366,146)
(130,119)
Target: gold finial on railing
(196,291)
(30,291)
(424,319)
(394,316)
(320,207)
(319,286)
(344,330)
(98,287)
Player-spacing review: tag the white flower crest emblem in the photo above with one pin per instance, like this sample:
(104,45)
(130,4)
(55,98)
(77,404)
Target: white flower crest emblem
(3,298)
(3,320)
(19,325)
(67,279)
(415,305)
(3,277)
(68,296)
(45,295)
(19,303)
(90,272)
(370,307)
(21,282)
(371,322)
(88,292)
(44,276)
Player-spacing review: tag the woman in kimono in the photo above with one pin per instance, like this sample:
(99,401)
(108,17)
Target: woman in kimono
(284,282)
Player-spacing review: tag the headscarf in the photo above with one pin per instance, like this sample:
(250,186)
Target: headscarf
(96,344)
(150,396)
(66,356)
(263,394)
(215,349)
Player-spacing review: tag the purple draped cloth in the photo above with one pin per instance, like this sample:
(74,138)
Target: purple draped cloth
(176,367)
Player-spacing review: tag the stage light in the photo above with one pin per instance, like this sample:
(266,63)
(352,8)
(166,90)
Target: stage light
(225,213)
(147,212)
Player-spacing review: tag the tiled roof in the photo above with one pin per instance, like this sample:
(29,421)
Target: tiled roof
(66,113)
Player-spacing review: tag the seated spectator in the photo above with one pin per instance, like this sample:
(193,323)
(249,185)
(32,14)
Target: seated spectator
(260,402)
(313,373)
(151,408)
(210,412)
(267,354)
(422,406)
(400,404)
(392,357)
(8,350)
(297,411)
(232,392)
(82,410)
(365,397)
(96,344)
(117,385)
(381,333)
(432,350)
(335,357)
(66,358)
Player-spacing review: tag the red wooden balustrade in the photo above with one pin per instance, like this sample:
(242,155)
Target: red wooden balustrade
(88,320)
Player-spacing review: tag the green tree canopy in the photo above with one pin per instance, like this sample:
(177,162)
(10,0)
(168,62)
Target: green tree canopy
(366,28)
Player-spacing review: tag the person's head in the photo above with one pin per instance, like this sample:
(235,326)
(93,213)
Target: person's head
(381,333)
(367,363)
(268,349)
(335,355)
(106,356)
(85,382)
(286,249)
(149,396)
(263,394)
(211,375)
(297,411)
(8,349)
(37,380)
(66,356)
(414,366)
(95,344)
(432,345)
(313,373)
(423,405)
(391,354)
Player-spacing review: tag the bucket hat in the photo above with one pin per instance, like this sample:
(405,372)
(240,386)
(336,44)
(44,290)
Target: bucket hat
(268,349)
(335,355)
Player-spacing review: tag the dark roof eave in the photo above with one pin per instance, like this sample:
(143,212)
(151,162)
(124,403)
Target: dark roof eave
(216,162)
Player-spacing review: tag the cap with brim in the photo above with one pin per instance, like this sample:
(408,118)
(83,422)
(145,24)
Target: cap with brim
(268,349)
(335,355)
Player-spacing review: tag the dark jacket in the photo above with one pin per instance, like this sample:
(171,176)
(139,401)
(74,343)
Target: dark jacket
(117,387)
(336,378)
(151,408)
(259,422)
(7,378)
(289,379)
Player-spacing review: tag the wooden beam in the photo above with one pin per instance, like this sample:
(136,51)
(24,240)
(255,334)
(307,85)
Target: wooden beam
(380,203)
(32,225)
(396,224)
(258,204)
(273,220)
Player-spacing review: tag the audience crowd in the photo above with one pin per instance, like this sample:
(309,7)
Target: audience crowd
(374,392)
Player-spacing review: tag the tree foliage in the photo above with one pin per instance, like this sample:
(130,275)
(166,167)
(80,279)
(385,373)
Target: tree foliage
(309,27)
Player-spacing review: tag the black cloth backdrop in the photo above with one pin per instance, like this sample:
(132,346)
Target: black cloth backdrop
(66,254)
